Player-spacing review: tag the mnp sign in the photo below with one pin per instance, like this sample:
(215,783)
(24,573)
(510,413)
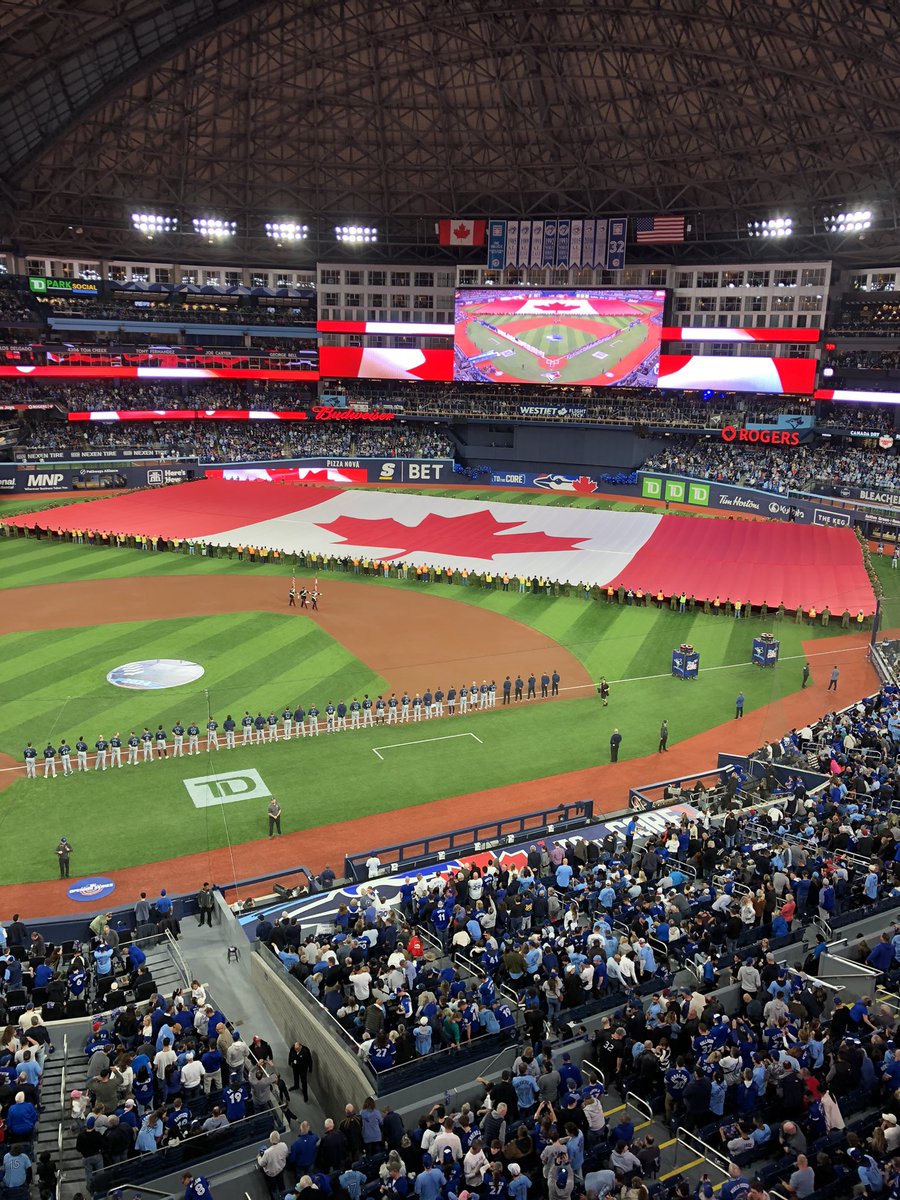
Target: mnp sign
(226,788)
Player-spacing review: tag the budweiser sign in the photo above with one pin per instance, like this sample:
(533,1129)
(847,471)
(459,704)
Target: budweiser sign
(324,412)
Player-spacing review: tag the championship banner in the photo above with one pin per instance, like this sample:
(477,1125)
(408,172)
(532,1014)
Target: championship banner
(592,243)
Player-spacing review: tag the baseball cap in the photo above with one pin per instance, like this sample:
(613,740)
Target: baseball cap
(889,1117)
(515,1169)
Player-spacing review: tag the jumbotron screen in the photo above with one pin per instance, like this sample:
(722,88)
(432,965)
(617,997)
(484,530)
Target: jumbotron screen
(603,338)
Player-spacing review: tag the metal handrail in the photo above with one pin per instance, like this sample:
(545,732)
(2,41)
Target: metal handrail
(179,960)
(685,868)
(824,927)
(501,989)
(591,1066)
(714,1157)
(857,967)
(326,1018)
(637,1102)
(153,1191)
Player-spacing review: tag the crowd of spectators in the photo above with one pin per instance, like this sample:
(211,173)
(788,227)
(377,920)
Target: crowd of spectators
(878,418)
(871,316)
(234,440)
(582,926)
(863,360)
(773,469)
(87,396)
(526,952)
(582,405)
(14,311)
(193,310)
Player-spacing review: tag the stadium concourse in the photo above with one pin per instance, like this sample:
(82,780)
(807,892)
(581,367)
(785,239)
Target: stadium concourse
(743,562)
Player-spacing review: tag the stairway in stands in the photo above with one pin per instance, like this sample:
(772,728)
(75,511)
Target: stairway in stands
(167,977)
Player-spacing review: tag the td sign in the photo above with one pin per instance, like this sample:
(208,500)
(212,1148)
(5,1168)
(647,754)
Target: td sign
(227,787)
(676,491)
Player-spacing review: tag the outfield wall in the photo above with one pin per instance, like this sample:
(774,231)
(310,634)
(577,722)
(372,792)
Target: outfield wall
(705,494)
(543,448)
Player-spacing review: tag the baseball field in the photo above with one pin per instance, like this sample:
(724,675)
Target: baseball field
(72,613)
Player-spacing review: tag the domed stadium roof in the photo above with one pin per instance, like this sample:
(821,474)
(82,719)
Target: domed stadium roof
(400,112)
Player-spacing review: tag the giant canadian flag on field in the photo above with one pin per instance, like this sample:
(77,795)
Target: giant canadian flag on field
(461,232)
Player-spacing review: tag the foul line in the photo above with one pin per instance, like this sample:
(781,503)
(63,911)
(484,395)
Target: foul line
(575,687)
(424,742)
(581,687)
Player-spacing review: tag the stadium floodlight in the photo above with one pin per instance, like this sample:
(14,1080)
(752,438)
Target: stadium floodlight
(356,233)
(150,224)
(852,221)
(90,273)
(772,227)
(286,231)
(214,228)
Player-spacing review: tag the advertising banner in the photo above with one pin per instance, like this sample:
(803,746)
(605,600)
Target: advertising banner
(704,493)
(110,455)
(555,412)
(354,470)
(49,477)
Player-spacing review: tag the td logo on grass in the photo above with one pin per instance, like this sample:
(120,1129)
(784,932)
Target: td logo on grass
(226,788)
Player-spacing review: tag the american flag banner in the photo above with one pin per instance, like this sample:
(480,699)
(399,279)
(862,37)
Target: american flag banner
(659,230)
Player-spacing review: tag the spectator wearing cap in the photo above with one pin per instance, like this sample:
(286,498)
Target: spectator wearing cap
(561,1183)
(890,1132)
(430,1181)
(127,1114)
(518,1184)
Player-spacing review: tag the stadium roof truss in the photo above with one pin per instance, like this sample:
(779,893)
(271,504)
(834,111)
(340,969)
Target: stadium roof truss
(399,112)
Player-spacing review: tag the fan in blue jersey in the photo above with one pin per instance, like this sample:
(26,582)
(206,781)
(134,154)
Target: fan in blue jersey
(196,1187)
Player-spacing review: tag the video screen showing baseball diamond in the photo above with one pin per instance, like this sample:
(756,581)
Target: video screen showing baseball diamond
(560,337)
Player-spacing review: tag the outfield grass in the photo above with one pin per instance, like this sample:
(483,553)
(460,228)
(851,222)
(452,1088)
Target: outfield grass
(550,499)
(13,506)
(53,683)
(260,661)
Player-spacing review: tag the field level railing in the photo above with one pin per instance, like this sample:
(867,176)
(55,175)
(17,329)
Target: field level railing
(491,836)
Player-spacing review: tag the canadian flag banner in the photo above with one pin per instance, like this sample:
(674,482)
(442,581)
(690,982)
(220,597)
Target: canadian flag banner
(461,232)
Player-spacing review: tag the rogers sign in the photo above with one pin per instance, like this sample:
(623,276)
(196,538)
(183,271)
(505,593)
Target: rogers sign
(769,437)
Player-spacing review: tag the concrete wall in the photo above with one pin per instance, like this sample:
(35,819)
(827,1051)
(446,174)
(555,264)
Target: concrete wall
(534,447)
(338,1076)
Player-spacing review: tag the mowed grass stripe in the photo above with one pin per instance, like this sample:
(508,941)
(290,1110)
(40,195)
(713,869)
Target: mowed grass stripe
(251,660)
